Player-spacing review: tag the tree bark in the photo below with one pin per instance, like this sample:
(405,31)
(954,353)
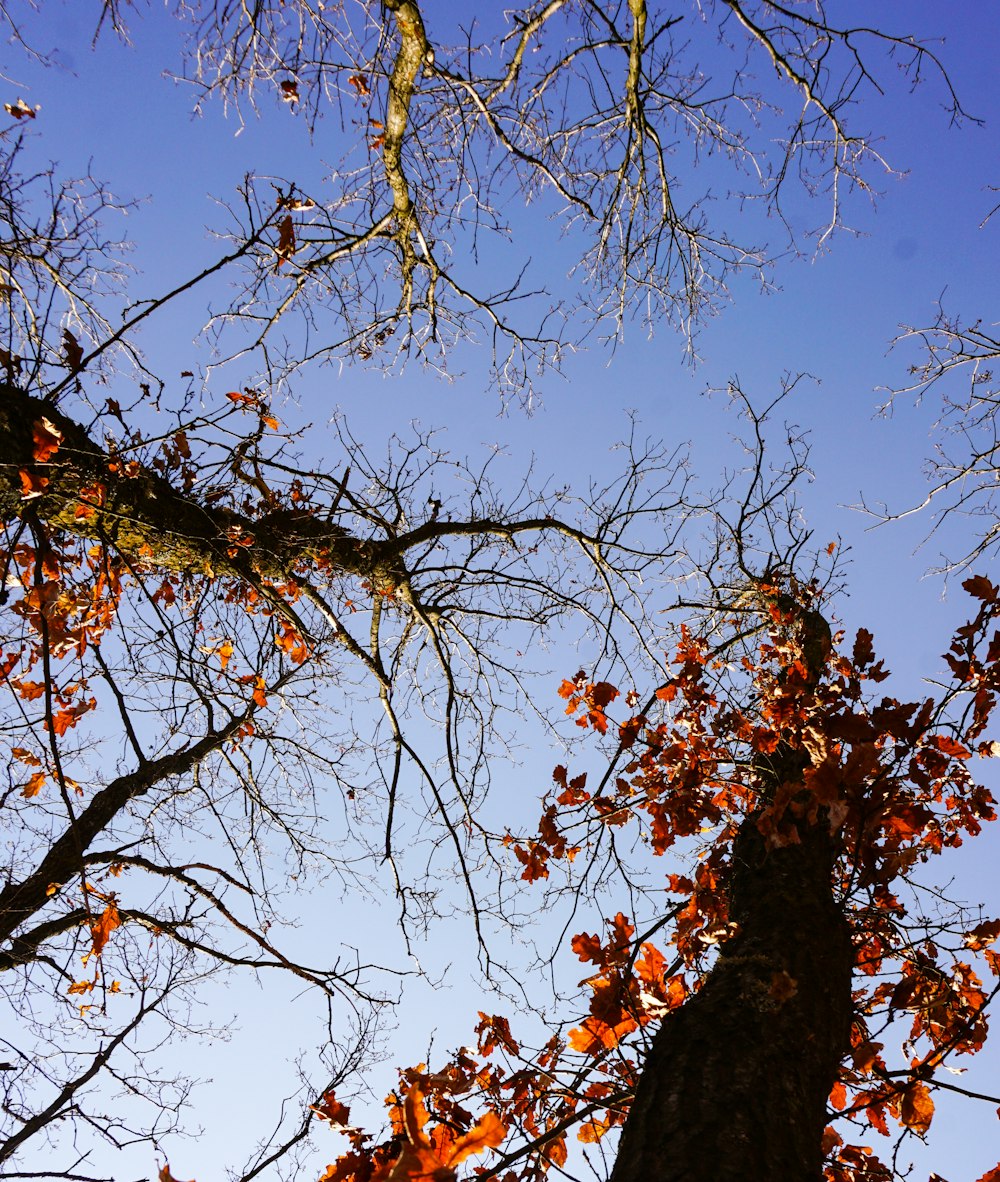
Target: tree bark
(90,494)
(736,1085)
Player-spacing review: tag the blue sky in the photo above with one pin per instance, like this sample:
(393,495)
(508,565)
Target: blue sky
(832,315)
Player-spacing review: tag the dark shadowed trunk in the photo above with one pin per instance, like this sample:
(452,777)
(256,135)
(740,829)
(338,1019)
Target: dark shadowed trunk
(736,1085)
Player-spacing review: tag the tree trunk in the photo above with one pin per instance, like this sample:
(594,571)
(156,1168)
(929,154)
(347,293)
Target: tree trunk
(736,1085)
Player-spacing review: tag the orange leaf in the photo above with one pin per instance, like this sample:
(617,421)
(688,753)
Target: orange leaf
(65,720)
(486,1133)
(592,1131)
(917,1108)
(329,1108)
(555,1150)
(34,785)
(865,1056)
(102,927)
(165,1174)
(290,642)
(46,437)
(32,486)
(415,1115)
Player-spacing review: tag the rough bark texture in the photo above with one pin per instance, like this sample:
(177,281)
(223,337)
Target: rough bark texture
(735,1088)
(142,515)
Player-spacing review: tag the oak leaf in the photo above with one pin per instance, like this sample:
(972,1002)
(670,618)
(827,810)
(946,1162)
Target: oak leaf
(32,486)
(102,927)
(34,785)
(916,1108)
(73,352)
(286,239)
(329,1108)
(421,1160)
(981,588)
(46,437)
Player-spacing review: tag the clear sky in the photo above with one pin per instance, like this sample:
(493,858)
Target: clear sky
(111,108)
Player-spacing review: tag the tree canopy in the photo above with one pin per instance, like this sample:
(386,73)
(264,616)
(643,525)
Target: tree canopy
(248,658)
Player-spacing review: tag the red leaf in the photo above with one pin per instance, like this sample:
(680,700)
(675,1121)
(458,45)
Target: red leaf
(949,746)
(588,948)
(982,935)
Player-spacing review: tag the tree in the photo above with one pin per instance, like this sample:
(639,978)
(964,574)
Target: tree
(767,1007)
(593,113)
(206,637)
(234,626)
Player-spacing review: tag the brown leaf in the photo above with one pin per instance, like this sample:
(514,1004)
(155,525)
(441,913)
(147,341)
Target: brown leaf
(286,239)
(20,109)
(73,351)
